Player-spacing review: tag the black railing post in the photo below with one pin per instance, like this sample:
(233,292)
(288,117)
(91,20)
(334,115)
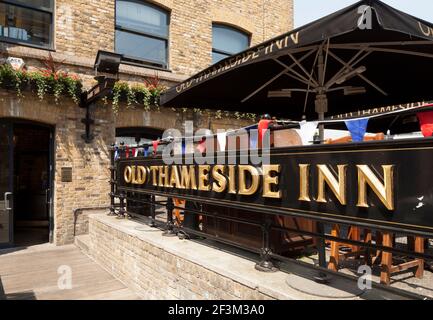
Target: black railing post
(322,277)
(112,180)
(122,210)
(169,232)
(122,150)
(265,264)
(152,211)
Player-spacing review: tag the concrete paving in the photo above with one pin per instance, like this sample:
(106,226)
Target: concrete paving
(42,272)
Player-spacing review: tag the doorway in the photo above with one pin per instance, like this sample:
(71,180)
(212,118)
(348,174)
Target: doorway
(25,183)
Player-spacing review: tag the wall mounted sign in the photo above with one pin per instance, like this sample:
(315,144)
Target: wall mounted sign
(376,183)
(66,174)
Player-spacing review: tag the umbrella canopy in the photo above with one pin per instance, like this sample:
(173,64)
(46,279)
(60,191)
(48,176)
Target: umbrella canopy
(368,54)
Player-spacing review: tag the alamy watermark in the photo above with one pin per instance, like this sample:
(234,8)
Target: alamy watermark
(203,146)
(365,280)
(365,21)
(64,281)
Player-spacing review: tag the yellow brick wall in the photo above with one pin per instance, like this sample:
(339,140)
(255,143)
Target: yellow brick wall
(89,162)
(82,28)
(85,26)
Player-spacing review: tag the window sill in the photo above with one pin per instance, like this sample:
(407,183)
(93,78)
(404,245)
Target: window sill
(25,44)
(143,64)
(88,62)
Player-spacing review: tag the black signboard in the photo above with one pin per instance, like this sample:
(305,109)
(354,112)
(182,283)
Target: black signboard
(386,184)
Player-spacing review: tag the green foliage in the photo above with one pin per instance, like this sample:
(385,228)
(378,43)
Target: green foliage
(137,94)
(58,84)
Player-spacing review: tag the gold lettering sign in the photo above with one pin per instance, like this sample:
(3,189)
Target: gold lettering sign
(337,187)
(174,178)
(188,180)
(269,180)
(385,190)
(254,173)
(304,184)
(220,183)
(246,179)
(141,175)
(203,178)
(163,178)
(231,178)
(127,174)
(154,171)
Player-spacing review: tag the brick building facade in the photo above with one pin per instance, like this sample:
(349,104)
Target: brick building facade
(73,31)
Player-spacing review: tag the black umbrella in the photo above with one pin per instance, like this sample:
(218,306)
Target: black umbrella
(366,54)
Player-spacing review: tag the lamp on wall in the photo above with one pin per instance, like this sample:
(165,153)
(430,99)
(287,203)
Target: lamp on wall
(106,63)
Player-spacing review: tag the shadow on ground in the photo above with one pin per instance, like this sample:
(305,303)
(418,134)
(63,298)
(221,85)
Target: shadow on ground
(27,295)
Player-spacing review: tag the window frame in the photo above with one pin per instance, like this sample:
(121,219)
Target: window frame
(50,11)
(232,28)
(137,61)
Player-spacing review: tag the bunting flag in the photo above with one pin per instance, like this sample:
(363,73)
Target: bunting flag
(307,131)
(127,151)
(357,129)
(155,146)
(426,123)
(222,140)
(116,153)
(183,147)
(263,126)
(146,151)
(135,152)
(253,140)
(202,146)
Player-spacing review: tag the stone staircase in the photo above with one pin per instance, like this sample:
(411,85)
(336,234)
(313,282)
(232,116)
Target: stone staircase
(83,243)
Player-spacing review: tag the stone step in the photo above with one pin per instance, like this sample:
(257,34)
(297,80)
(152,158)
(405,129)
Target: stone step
(83,242)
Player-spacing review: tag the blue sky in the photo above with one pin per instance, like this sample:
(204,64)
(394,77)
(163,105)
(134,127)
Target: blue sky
(310,10)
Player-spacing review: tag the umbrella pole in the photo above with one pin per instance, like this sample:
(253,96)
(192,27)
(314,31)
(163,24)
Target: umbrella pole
(321,105)
(321,102)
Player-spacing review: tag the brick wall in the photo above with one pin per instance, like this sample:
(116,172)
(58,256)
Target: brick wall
(191,27)
(89,162)
(146,266)
(82,27)
(85,26)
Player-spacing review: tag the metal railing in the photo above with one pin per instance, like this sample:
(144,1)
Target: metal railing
(268,260)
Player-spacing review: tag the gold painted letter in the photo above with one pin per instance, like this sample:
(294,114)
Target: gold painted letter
(154,170)
(304,184)
(268,181)
(243,189)
(203,178)
(174,178)
(163,180)
(127,174)
(141,175)
(385,190)
(188,180)
(337,187)
(220,183)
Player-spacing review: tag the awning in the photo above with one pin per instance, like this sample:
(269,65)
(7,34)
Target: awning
(368,54)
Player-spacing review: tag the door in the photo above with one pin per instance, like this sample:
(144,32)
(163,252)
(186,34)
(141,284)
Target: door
(6,184)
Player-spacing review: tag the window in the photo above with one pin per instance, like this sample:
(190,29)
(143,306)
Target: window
(142,32)
(227,41)
(28,22)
